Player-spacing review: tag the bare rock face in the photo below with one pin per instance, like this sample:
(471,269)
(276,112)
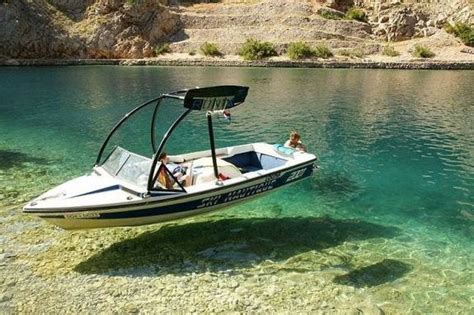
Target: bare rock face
(27,32)
(128,31)
(400,23)
(80,29)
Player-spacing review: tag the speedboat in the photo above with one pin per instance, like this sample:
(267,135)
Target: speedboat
(127,189)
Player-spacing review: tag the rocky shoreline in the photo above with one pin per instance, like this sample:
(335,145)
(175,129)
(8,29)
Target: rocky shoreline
(416,64)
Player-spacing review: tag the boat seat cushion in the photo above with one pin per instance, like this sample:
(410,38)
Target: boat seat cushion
(203,170)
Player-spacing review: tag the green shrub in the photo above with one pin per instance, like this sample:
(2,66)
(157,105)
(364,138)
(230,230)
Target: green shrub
(356,14)
(464,31)
(162,49)
(299,50)
(253,49)
(322,51)
(390,51)
(358,53)
(421,51)
(329,15)
(210,49)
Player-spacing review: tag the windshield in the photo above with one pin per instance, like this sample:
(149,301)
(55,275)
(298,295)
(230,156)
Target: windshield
(128,166)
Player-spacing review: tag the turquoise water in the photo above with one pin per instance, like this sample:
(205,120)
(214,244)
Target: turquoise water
(396,150)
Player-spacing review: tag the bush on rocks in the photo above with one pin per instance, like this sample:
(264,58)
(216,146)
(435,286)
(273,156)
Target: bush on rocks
(162,49)
(322,51)
(329,14)
(210,49)
(254,49)
(351,53)
(356,14)
(464,31)
(421,51)
(390,51)
(299,50)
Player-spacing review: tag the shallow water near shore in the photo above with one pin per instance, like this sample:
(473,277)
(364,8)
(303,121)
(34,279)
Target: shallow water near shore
(386,225)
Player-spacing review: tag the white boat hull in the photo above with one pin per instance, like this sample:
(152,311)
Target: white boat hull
(142,208)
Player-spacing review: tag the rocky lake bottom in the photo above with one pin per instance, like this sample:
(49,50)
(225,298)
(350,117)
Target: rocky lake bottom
(232,263)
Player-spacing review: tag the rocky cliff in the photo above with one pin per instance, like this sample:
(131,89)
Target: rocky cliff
(134,28)
(83,29)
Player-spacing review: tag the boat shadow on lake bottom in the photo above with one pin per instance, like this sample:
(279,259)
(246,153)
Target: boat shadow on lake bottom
(232,244)
(384,271)
(10,159)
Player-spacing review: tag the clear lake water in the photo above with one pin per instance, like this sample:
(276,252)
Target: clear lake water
(390,213)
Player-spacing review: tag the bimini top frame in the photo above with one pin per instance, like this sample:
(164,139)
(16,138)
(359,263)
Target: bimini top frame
(207,99)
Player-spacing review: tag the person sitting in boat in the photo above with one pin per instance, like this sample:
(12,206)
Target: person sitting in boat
(164,178)
(294,142)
